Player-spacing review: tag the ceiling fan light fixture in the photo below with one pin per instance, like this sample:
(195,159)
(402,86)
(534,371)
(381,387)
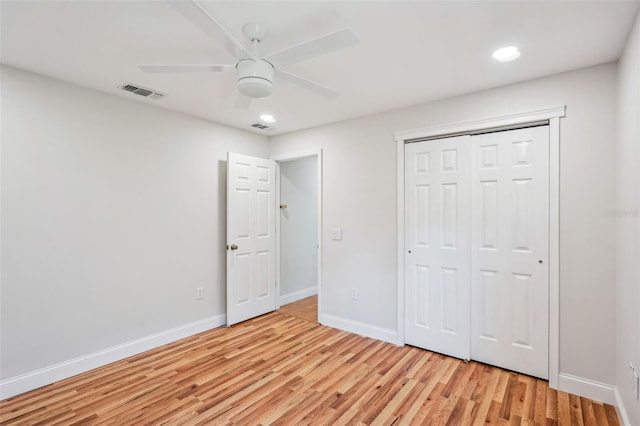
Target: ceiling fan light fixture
(256,72)
(255,78)
(506,54)
(254,88)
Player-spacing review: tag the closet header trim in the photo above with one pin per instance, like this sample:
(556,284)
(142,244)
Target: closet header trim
(493,124)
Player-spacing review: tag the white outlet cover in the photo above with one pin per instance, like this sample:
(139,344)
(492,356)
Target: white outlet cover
(336,234)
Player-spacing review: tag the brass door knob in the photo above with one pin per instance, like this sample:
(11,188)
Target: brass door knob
(233,247)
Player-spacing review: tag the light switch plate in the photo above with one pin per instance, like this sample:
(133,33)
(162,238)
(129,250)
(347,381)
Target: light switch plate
(336,234)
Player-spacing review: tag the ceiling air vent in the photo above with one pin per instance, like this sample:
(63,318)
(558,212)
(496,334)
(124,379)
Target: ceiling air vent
(142,91)
(260,126)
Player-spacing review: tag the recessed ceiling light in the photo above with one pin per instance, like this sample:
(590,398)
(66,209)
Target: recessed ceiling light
(506,54)
(267,118)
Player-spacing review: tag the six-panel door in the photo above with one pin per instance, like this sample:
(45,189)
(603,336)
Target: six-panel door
(510,246)
(251,271)
(437,257)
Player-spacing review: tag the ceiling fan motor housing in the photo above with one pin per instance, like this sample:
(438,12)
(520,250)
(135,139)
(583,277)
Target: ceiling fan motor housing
(255,78)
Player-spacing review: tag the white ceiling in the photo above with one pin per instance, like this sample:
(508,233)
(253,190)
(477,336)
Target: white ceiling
(409,52)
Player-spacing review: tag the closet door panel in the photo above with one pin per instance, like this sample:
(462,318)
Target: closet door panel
(437,259)
(509,250)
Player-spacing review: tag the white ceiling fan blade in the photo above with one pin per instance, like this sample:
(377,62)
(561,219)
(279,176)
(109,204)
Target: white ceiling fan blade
(152,69)
(319,46)
(191,10)
(242,101)
(307,84)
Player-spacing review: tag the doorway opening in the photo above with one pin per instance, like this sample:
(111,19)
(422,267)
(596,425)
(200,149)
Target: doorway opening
(298,233)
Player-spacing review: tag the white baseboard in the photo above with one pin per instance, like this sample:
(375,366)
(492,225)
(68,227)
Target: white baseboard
(622,412)
(586,388)
(294,296)
(367,330)
(56,372)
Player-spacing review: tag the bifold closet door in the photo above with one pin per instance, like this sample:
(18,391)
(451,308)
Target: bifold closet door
(510,246)
(437,244)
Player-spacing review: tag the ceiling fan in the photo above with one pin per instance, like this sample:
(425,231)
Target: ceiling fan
(256,72)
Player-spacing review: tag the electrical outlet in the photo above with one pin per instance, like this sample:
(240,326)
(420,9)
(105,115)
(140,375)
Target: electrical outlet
(199,293)
(336,234)
(354,293)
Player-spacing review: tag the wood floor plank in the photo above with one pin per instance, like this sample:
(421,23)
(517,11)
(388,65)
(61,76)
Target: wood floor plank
(600,414)
(423,401)
(509,394)
(540,404)
(494,413)
(588,414)
(552,405)
(297,408)
(501,388)
(429,411)
(353,399)
(612,416)
(576,410)
(389,411)
(517,399)
(564,408)
(285,369)
(483,403)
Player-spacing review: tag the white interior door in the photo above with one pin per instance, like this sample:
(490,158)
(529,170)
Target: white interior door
(251,240)
(437,244)
(510,245)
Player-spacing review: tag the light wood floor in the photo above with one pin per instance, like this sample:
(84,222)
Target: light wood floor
(280,369)
(306,309)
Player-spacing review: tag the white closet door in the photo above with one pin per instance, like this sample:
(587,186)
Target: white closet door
(510,245)
(437,230)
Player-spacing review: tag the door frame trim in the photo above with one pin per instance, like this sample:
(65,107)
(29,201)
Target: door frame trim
(280,158)
(551,115)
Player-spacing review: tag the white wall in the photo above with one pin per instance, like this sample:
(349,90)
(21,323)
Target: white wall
(626,217)
(299,226)
(359,193)
(113,212)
